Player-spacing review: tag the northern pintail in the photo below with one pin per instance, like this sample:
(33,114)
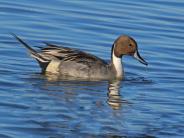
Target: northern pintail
(64,61)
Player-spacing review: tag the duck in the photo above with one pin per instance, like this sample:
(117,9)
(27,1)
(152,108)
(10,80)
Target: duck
(65,61)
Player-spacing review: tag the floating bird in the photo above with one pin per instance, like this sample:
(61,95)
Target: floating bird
(64,61)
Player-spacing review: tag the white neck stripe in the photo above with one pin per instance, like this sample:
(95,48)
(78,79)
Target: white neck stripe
(117,64)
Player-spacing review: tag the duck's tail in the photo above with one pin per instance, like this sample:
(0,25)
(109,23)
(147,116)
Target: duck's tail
(41,60)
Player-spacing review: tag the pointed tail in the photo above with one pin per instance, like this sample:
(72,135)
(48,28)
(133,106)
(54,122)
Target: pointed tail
(33,52)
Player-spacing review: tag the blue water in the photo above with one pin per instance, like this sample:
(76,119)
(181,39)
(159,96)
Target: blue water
(148,103)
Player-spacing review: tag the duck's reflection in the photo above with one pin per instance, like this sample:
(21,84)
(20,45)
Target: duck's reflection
(114,97)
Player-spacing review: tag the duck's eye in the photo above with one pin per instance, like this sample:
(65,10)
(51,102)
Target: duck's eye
(129,45)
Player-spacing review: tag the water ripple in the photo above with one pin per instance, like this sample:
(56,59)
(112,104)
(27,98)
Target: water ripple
(148,103)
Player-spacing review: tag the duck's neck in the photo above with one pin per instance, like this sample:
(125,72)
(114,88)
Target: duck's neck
(117,63)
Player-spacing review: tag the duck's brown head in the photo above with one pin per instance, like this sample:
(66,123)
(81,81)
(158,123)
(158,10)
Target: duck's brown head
(126,45)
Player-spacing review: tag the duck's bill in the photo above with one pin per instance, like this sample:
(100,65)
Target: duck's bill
(139,58)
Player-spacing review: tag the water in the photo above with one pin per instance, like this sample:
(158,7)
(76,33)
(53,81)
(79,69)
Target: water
(148,103)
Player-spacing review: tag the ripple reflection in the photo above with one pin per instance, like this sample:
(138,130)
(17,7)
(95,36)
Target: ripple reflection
(114,97)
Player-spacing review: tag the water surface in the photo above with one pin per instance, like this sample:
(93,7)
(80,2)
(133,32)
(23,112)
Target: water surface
(148,103)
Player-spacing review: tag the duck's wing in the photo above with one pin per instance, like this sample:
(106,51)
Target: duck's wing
(52,52)
(59,52)
(69,54)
